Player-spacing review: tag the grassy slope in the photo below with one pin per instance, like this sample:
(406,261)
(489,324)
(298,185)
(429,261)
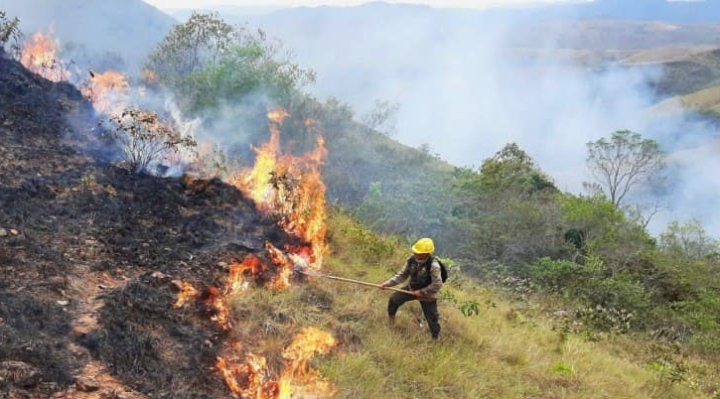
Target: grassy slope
(705,99)
(691,73)
(510,351)
(663,54)
(708,99)
(503,353)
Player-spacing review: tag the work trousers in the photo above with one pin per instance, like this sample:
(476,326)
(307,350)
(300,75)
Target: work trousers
(429,307)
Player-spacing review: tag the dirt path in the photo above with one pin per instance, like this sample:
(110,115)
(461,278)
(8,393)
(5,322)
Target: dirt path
(85,290)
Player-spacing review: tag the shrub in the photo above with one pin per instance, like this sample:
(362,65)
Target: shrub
(607,302)
(9,30)
(146,139)
(617,292)
(557,275)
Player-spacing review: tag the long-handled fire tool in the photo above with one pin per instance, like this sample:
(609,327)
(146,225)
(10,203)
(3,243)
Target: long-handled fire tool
(301,270)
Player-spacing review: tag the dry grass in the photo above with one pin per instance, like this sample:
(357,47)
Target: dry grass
(502,353)
(664,54)
(508,351)
(703,99)
(706,99)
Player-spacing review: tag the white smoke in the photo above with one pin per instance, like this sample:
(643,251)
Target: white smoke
(469,83)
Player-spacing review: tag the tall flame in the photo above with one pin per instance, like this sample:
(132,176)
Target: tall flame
(40,55)
(290,188)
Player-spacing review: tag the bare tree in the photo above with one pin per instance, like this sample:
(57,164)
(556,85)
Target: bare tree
(624,162)
(383,117)
(146,139)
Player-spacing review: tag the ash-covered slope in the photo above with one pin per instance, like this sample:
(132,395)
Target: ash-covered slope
(91,258)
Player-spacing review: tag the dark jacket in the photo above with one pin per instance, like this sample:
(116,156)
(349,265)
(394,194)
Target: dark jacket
(423,278)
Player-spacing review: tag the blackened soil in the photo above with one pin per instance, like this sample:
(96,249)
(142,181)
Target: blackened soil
(89,253)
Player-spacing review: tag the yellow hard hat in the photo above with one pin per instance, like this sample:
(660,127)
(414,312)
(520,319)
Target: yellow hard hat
(424,246)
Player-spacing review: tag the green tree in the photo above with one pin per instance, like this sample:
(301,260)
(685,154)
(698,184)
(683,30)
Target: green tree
(623,162)
(9,30)
(587,218)
(513,169)
(506,211)
(190,47)
(688,239)
(597,227)
(207,61)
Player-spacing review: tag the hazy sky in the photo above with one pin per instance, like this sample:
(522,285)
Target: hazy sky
(169,4)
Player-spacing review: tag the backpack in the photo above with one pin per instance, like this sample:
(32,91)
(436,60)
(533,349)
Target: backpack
(426,266)
(443,269)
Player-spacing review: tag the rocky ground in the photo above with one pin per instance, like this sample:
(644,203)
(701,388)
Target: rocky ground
(91,258)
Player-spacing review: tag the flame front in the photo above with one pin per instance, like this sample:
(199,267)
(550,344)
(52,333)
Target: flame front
(307,343)
(40,55)
(107,91)
(251,379)
(281,184)
(290,187)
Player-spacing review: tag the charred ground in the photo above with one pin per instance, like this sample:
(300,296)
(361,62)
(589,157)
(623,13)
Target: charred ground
(91,256)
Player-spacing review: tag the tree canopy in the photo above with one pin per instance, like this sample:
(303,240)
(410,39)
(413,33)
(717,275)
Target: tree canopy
(623,162)
(513,168)
(206,61)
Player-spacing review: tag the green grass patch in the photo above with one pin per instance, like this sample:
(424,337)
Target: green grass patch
(508,350)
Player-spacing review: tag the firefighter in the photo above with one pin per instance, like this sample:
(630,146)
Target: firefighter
(425,280)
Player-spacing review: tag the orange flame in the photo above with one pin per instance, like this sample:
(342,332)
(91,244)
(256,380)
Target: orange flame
(286,263)
(107,91)
(187,292)
(307,343)
(252,378)
(149,77)
(249,380)
(290,187)
(40,55)
(251,265)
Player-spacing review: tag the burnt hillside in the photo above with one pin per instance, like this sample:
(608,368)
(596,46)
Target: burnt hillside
(91,258)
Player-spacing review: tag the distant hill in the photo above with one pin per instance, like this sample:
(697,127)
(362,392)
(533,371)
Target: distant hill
(651,10)
(90,29)
(689,74)
(690,11)
(397,46)
(595,26)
